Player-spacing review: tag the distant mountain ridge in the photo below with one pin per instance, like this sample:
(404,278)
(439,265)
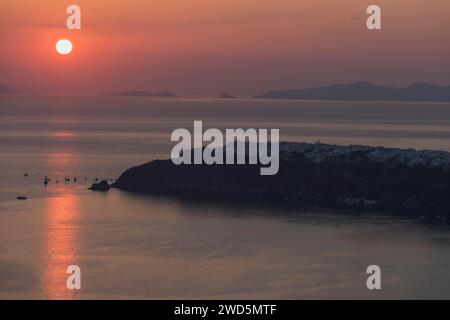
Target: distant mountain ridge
(362,90)
(4,89)
(226,96)
(141,93)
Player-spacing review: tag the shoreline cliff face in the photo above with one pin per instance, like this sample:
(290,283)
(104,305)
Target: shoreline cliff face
(406,183)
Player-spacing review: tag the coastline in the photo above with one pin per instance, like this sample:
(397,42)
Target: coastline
(403,182)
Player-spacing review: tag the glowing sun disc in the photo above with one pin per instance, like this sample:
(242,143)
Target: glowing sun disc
(64,46)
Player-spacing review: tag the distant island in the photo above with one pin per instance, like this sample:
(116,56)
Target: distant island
(364,91)
(226,96)
(401,182)
(4,89)
(420,91)
(139,93)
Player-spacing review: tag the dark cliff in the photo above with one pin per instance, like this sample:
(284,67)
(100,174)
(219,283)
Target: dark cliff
(403,182)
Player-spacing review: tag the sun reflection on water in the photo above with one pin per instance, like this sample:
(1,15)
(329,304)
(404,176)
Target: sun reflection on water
(61,221)
(61,244)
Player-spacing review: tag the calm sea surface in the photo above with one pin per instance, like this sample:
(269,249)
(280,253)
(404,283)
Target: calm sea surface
(139,247)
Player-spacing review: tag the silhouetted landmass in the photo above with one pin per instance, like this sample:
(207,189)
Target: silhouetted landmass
(138,93)
(101,186)
(226,96)
(4,89)
(366,91)
(165,94)
(403,182)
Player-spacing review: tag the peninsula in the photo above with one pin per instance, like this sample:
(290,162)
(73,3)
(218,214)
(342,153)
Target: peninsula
(403,182)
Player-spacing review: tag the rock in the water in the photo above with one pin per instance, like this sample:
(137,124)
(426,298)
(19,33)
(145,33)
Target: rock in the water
(101,186)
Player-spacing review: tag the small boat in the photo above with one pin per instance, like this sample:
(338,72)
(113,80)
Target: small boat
(21,198)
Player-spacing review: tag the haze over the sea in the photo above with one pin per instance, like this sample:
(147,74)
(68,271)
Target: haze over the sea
(201,48)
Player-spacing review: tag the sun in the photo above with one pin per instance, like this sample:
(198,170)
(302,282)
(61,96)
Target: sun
(64,46)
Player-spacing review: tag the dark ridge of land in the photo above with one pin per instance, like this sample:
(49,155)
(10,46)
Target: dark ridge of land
(420,91)
(4,89)
(140,93)
(405,183)
(226,96)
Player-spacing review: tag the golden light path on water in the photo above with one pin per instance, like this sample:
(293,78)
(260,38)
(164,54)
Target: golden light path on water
(61,235)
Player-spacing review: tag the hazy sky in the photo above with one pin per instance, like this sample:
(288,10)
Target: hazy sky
(208,47)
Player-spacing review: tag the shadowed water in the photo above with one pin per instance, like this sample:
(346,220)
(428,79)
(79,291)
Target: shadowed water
(134,246)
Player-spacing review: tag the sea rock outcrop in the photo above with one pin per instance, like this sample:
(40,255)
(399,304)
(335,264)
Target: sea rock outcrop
(101,186)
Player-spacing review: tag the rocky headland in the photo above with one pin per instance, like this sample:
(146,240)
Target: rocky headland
(403,182)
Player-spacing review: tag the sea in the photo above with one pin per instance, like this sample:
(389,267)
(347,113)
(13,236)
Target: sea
(135,246)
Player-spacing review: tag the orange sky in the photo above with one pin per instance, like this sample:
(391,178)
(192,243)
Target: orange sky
(208,47)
